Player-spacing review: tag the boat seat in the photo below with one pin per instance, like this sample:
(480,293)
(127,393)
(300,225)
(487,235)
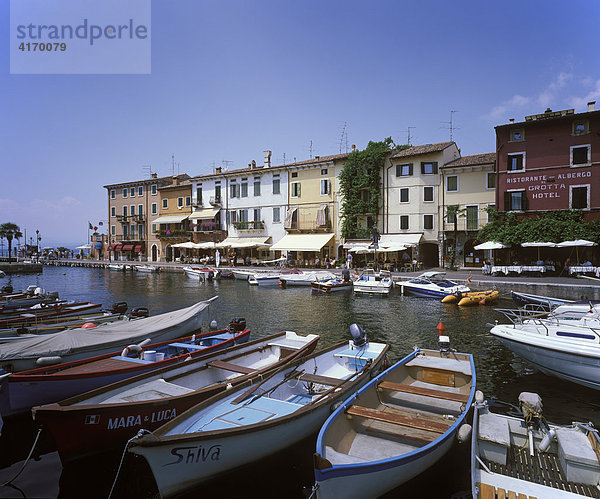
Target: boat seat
(487,491)
(442,364)
(228,366)
(389,417)
(428,392)
(494,437)
(322,380)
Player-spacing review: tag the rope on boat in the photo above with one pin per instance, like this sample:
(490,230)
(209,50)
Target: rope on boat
(137,435)
(313,491)
(37,437)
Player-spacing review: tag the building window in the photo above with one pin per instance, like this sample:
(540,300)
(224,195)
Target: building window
(295,189)
(140,229)
(515,162)
(132,192)
(294,174)
(257,214)
(428,222)
(515,201)
(165,203)
(256,186)
(113,194)
(113,230)
(180,202)
(124,211)
(140,209)
(153,189)
(218,193)
(243,215)
(452,183)
(154,210)
(580,155)
(276,185)
(125,231)
(473,217)
(404,195)
(429,168)
(490,208)
(132,212)
(490,180)
(244,189)
(428,194)
(154,228)
(404,170)
(125,191)
(199,196)
(581,127)
(140,190)
(113,211)
(276,215)
(325,187)
(188,200)
(579,197)
(132,231)
(323,171)
(234,190)
(403,222)
(517,135)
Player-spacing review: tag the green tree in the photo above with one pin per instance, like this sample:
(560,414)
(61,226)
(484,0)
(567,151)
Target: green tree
(10,231)
(360,185)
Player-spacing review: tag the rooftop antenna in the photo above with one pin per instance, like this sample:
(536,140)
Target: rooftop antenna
(310,150)
(451,127)
(344,137)
(147,169)
(226,163)
(172,164)
(408,134)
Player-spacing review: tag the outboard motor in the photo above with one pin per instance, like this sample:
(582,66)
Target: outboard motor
(119,307)
(531,407)
(444,343)
(139,312)
(7,289)
(237,324)
(213,325)
(359,337)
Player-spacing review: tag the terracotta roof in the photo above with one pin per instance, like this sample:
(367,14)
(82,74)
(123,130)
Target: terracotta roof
(472,160)
(424,149)
(260,168)
(151,180)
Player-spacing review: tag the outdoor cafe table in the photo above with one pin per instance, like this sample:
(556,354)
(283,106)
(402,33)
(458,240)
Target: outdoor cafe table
(519,269)
(584,269)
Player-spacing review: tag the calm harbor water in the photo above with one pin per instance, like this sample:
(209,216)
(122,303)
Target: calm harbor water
(402,322)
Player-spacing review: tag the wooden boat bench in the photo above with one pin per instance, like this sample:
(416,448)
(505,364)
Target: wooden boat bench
(228,366)
(428,392)
(487,491)
(390,417)
(322,380)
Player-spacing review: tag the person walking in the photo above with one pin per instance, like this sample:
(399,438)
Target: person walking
(349,260)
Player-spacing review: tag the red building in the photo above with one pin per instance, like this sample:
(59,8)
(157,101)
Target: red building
(550,161)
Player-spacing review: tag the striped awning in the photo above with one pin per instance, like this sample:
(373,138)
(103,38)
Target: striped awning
(138,248)
(127,247)
(118,247)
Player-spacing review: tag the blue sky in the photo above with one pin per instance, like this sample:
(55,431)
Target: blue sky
(232,78)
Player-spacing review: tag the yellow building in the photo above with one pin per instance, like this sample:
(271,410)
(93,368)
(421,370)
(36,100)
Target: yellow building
(469,185)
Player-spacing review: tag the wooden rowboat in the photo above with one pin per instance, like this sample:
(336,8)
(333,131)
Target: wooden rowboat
(101,419)
(396,426)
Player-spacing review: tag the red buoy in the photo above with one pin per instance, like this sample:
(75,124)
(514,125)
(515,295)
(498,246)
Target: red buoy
(440,328)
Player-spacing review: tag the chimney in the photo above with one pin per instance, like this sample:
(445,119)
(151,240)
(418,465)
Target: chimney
(218,169)
(354,147)
(317,157)
(267,155)
(153,175)
(591,106)
(512,120)
(253,164)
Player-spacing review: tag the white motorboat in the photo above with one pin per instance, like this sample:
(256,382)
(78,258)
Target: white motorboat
(146,268)
(371,282)
(432,285)
(270,278)
(241,275)
(202,273)
(528,457)
(564,342)
(254,420)
(396,426)
(306,278)
(116,266)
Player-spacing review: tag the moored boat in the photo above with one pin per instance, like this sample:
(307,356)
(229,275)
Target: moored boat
(541,302)
(529,457)
(432,285)
(252,421)
(396,426)
(97,420)
(305,279)
(331,286)
(146,268)
(19,392)
(81,343)
(372,282)
(203,273)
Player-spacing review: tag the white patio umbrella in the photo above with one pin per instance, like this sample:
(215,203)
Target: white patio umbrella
(539,245)
(576,243)
(490,245)
(217,258)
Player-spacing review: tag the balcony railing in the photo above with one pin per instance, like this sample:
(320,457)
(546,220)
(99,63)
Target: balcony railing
(249,225)
(130,218)
(309,225)
(120,237)
(171,233)
(215,201)
(208,227)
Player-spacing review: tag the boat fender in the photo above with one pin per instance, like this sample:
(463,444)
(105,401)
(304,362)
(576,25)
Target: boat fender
(229,386)
(479,397)
(48,361)
(131,349)
(547,440)
(88,325)
(464,433)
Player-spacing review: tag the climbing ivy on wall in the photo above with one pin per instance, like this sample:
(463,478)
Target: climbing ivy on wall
(360,186)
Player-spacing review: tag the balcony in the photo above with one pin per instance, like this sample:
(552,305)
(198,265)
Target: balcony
(208,227)
(137,218)
(309,225)
(120,238)
(215,201)
(249,226)
(123,219)
(172,234)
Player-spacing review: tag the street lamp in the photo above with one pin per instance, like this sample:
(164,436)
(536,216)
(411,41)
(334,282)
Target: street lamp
(39,239)
(375,238)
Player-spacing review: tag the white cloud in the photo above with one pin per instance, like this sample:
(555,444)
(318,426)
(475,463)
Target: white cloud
(581,102)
